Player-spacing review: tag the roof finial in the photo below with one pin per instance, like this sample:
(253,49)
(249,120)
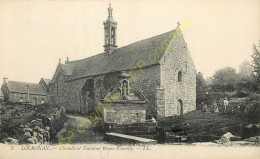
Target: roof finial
(178,23)
(5,80)
(110,9)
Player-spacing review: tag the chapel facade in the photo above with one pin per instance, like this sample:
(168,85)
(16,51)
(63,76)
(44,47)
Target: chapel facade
(159,69)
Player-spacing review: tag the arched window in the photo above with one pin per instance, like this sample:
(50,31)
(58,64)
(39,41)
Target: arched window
(125,87)
(113,35)
(179,76)
(107,37)
(180,107)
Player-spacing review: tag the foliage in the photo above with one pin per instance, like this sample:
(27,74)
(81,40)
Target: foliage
(253,113)
(201,84)
(45,109)
(246,109)
(249,113)
(8,129)
(227,80)
(242,94)
(254,97)
(256,63)
(10,125)
(208,98)
(256,59)
(224,80)
(247,84)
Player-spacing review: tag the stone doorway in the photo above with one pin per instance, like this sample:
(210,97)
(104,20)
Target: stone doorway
(87,97)
(180,107)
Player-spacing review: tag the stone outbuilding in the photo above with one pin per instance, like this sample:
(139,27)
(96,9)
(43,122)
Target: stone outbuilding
(160,69)
(20,92)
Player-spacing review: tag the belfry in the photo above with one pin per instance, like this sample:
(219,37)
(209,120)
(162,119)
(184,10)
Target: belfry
(110,27)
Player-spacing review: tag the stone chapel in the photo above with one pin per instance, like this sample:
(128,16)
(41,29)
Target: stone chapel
(159,70)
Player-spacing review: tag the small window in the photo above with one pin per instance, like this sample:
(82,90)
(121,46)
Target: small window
(21,99)
(180,76)
(35,101)
(43,100)
(125,87)
(113,35)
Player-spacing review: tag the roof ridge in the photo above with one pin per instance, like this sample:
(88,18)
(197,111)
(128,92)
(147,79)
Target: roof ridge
(146,39)
(123,58)
(22,82)
(69,62)
(158,35)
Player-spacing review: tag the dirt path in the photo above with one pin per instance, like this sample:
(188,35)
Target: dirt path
(71,125)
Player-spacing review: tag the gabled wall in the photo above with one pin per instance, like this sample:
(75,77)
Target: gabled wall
(5,91)
(178,59)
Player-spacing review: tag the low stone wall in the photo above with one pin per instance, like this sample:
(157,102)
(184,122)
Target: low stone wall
(136,129)
(126,112)
(127,139)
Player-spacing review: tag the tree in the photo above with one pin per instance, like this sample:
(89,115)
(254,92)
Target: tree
(245,84)
(224,80)
(200,84)
(256,60)
(256,64)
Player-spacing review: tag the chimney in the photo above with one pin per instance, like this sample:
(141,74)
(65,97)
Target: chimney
(67,59)
(59,60)
(5,80)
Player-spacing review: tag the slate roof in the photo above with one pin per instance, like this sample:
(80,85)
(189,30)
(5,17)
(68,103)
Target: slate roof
(67,68)
(123,58)
(47,81)
(21,87)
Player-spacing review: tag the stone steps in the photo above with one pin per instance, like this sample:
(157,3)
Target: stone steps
(127,139)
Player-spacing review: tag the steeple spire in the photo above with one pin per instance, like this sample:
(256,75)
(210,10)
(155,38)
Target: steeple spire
(110,10)
(110,28)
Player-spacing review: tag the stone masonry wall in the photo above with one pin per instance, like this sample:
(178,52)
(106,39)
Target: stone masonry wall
(70,91)
(147,83)
(15,97)
(160,102)
(163,76)
(125,113)
(72,94)
(178,59)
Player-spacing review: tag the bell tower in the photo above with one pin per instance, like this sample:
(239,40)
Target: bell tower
(110,27)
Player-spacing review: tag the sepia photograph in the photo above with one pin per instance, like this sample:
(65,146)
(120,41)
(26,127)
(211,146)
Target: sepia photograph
(129,79)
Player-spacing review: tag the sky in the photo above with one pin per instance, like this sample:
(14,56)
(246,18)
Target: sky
(35,34)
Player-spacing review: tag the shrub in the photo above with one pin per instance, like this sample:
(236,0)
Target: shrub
(253,113)
(208,98)
(254,97)
(242,94)
(7,129)
(249,112)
